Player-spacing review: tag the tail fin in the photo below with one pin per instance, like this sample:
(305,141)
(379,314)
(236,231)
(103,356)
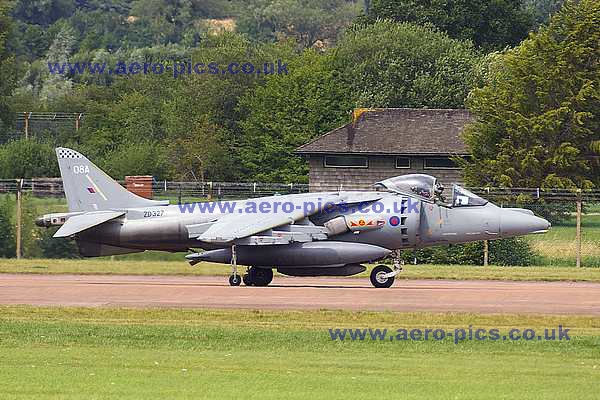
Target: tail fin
(88,188)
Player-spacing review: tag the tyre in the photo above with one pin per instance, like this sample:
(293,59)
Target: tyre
(246,279)
(378,279)
(261,276)
(235,280)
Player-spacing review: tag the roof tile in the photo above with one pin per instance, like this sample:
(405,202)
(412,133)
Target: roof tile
(396,131)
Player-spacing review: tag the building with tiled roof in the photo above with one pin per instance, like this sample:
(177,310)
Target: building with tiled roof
(381,143)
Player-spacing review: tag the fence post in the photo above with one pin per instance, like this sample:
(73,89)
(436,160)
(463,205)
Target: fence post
(578,232)
(26,124)
(486,253)
(18,219)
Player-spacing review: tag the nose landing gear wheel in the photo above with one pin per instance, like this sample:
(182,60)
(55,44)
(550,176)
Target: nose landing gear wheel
(235,280)
(379,277)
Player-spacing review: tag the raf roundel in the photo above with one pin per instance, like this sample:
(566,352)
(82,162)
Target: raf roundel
(394,221)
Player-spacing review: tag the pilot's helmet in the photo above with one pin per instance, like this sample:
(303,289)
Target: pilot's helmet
(439,188)
(421,191)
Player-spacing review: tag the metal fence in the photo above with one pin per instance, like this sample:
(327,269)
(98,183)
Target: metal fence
(573,240)
(30,124)
(52,187)
(182,191)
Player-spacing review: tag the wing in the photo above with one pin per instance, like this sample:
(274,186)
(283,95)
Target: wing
(79,223)
(242,225)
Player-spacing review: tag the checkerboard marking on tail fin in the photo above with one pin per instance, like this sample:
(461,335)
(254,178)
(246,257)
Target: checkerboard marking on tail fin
(88,188)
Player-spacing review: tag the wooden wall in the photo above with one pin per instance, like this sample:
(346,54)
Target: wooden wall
(380,167)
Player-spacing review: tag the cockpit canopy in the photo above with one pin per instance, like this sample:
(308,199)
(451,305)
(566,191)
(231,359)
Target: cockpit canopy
(420,185)
(461,197)
(427,188)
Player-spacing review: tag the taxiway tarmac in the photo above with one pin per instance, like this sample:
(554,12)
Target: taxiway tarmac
(302,293)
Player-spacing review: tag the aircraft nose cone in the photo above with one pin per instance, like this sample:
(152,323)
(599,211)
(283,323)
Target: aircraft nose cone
(515,223)
(40,222)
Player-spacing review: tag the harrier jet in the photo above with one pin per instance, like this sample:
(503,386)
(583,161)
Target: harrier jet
(312,234)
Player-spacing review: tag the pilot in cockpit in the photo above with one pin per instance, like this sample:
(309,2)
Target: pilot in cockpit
(428,187)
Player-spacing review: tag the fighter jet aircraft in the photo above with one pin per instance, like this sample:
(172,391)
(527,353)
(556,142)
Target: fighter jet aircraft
(312,234)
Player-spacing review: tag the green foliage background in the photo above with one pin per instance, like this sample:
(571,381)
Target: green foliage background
(7,232)
(340,54)
(531,81)
(504,252)
(537,115)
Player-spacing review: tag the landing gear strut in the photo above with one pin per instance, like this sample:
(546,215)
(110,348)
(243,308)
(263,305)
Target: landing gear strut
(235,279)
(383,276)
(258,276)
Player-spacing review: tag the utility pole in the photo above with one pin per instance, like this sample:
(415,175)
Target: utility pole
(18,218)
(486,253)
(26,124)
(578,229)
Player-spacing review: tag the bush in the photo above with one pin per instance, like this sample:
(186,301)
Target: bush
(513,251)
(27,159)
(7,231)
(144,158)
(56,247)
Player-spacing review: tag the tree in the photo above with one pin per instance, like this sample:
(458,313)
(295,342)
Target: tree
(27,159)
(7,68)
(188,124)
(305,21)
(142,157)
(490,24)
(212,119)
(54,85)
(537,117)
(42,12)
(288,111)
(542,10)
(389,64)
(165,20)
(7,232)
(199,152)
(51,247)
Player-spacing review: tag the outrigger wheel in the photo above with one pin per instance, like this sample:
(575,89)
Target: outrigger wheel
(382,276)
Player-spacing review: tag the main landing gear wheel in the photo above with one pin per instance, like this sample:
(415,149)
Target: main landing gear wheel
(380,276)
(235,280)
(246,279)
(258,276)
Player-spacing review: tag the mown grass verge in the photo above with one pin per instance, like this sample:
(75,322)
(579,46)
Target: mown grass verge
(85,353)
(106,266)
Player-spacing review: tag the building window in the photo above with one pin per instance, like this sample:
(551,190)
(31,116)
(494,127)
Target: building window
(440,163)
(346,162)
(402,162)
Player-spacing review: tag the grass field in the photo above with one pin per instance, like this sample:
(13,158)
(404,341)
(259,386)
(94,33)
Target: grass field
(51,353)
(558,245)
(106,266)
